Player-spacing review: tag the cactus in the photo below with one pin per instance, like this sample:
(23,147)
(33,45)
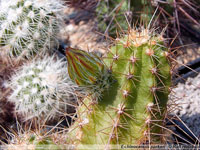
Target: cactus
(132,110)
(42,89)
(32,141)
(111,14)
(28,27)
(105,15)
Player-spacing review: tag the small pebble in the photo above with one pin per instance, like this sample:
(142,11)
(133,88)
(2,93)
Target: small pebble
(187,97)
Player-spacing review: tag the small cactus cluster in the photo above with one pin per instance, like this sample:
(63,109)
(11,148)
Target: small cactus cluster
(42,89)
(132,110)
(29,27)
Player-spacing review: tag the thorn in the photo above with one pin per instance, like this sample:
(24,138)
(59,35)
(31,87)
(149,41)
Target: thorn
(150,109)
(153,89)
(153,70)
(112,136)
(145,133)
(120,109)
(152,42)
(149,52)
(116,57)
(125,93)
(128,44)
(150,105)
(133,59)
(148,120)
(129,76)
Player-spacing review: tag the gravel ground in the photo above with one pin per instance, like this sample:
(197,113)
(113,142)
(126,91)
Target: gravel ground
(187,98)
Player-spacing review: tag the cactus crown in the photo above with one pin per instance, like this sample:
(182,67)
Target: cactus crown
(28,27)
(42,88)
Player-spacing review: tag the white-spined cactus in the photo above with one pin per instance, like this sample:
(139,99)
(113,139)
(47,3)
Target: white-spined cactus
(42,89)
(28,27)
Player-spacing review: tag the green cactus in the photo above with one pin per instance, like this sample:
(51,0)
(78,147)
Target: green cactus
(111,14)
(132,110)
(107,11)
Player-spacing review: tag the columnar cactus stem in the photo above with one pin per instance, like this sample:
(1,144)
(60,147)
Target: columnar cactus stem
(133,108)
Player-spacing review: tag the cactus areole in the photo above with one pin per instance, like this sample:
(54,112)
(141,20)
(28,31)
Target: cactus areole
(132,110)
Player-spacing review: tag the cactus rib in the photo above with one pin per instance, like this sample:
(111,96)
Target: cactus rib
(132,109)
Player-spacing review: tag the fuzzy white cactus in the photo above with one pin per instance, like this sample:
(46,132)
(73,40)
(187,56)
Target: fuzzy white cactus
(28,27)
(42,88)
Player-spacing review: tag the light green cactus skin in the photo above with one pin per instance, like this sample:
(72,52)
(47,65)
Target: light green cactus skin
(134,106)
